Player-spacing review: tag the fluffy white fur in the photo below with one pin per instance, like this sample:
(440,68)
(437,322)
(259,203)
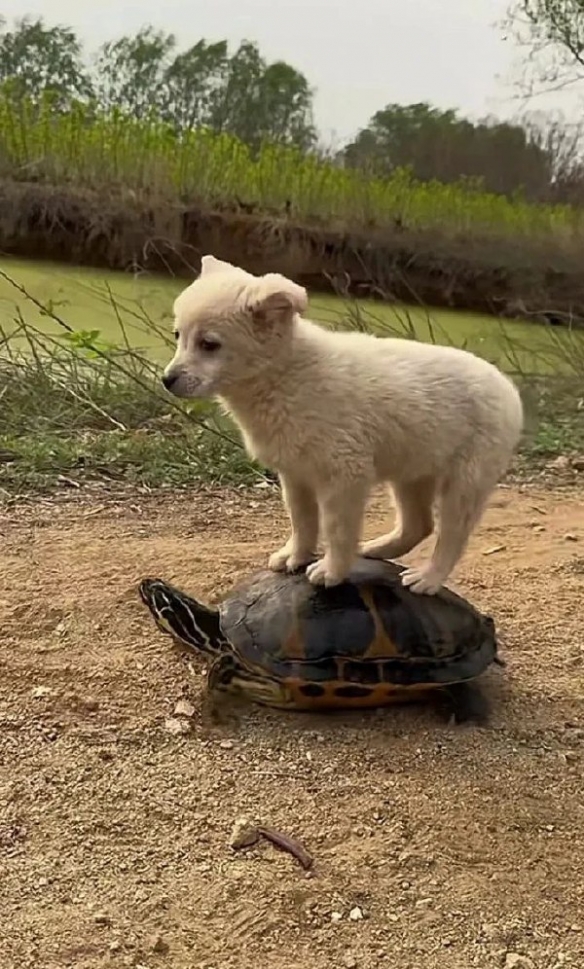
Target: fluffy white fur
(334,413)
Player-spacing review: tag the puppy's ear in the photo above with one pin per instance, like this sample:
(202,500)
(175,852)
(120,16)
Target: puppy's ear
(209,264)
(273,299)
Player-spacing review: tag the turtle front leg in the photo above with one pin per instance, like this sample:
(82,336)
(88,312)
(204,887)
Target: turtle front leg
(302,507)
(341,515)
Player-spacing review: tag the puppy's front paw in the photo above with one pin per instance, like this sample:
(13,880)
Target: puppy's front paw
(422,581)
(321,573)
(278,561)
(285,560)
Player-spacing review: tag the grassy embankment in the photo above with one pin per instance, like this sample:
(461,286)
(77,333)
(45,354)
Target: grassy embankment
(117,193)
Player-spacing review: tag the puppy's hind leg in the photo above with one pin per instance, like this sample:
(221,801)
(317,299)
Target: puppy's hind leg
(414,521)
(461,503)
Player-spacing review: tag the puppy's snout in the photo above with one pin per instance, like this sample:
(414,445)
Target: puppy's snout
(169,379)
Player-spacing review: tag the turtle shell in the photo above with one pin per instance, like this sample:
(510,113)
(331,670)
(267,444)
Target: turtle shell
(369,631)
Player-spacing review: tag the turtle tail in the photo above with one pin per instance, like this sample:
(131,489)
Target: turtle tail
(182,617)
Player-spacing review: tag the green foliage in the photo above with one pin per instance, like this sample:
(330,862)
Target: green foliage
(440,145)
(35,60)
(112,150)
(145,76)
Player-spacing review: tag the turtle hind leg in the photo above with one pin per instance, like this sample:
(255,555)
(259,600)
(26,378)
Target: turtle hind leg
(466,702)
(188,621)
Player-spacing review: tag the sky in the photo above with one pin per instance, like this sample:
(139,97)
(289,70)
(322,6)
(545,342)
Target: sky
(358,55)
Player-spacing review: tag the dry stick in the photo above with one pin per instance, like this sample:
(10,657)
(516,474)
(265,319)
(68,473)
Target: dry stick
(91,403)
(127,373)
(288,844)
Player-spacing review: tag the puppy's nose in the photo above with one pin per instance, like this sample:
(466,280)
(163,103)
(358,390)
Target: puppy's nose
(169,379)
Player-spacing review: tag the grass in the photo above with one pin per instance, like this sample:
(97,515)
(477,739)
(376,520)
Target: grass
(84,148)
(136,310)
(75,407)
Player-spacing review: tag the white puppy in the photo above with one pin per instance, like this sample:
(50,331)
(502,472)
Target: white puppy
(334,413)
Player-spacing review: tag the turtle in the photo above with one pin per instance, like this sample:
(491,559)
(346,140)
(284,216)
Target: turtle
(283,642)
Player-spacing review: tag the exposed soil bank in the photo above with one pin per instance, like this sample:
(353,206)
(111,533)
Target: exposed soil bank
(118,231)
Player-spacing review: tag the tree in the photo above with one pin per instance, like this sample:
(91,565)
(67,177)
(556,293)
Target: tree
(437,144)
(36,60)
(285,107)
(129,72)
(260,102)
(192,84)
(204,86)
(553,30)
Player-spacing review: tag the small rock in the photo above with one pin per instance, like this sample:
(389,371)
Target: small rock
(336,916)
(349,960)
(578,464)
(226,744)
(176,727)
(515,961)
(356,914)
(102,918)
(570,537)
(40,691)
(243,834)
(561,463)
(184,708)
(115,946)
(157,944)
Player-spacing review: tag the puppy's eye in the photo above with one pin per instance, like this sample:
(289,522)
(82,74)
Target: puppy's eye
(209,344)
(176,334)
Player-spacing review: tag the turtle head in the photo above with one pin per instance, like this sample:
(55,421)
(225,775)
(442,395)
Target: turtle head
(182,617)
(229,675)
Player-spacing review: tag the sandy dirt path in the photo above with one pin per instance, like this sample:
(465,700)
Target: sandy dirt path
(458,846)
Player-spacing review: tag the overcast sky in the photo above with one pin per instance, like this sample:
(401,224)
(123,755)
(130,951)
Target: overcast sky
(358,54)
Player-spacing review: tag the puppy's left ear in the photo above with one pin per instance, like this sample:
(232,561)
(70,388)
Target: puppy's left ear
(273,299)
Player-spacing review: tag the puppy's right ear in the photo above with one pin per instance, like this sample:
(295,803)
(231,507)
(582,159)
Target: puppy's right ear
(273,298)
(209,265)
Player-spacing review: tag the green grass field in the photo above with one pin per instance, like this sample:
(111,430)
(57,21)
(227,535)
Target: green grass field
(137,310)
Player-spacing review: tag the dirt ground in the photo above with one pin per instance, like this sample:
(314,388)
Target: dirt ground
(434,845)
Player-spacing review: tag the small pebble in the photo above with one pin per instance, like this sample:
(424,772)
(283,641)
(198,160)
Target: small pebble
(101,918)
(40,691)
(176,727)
(356,914)
(184,708)
(157,944)
(336,916)
(515,961)
(561,463)
(349,961)
(243,834)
